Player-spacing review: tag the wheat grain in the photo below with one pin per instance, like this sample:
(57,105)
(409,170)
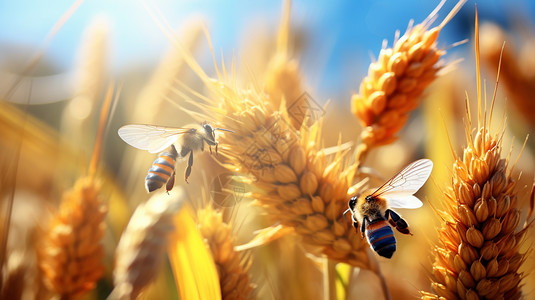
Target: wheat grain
(232,266)
(141,249)
(395,83)
(70,253)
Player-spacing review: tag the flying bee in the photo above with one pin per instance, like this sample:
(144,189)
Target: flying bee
(179,142)
(373,208)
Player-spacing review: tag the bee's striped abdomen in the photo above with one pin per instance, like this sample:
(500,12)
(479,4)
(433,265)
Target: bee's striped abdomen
(381,238)
(161,170)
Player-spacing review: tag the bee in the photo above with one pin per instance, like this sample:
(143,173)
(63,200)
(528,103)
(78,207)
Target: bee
(373,208)
(177,143)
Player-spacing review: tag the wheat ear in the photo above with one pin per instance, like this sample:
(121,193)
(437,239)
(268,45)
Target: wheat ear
(141,249)
(395,82)
(478,253)
(70,253)
(283,79)
(232,266)
(294,181)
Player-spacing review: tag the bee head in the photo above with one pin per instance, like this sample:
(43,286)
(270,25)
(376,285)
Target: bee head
(209,130)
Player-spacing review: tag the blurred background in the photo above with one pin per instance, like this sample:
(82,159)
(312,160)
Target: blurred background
(336,39)
(58,97)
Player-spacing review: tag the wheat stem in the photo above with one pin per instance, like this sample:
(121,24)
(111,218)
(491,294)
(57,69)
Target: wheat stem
(375,267)
(329,279)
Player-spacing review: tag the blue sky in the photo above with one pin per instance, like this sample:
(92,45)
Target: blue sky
(339,31)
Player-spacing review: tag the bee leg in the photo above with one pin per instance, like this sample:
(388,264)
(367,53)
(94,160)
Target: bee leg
(363,226)
(216,144)
(190,163)
(396,221)
(356,225)
(170,183)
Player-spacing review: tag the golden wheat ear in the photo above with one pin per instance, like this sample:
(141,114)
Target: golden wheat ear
(232,266)
(478,254)
(70,254)
(283,79)
(142,247)
(293,179)
(395,82)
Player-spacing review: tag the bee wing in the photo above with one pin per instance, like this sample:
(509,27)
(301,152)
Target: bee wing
(149,137)
(403,201)
(399,189)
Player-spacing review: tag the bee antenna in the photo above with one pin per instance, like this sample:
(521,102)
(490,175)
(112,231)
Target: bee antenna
(222,129)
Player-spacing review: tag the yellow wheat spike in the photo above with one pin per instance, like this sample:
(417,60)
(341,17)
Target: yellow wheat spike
(232,266)
(70,253)
(141,249)
(283,79)
(293,179)
(478,253)
(395,82)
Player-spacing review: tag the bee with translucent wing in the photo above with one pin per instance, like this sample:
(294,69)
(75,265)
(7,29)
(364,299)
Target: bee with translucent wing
(373,208)
(177,143)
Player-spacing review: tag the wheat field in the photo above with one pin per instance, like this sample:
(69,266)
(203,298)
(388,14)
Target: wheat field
(263,214)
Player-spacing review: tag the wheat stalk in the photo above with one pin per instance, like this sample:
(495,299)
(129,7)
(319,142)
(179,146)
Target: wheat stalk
(141,249)
(478,254)
(232,266)
(396,81)
(70,253)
